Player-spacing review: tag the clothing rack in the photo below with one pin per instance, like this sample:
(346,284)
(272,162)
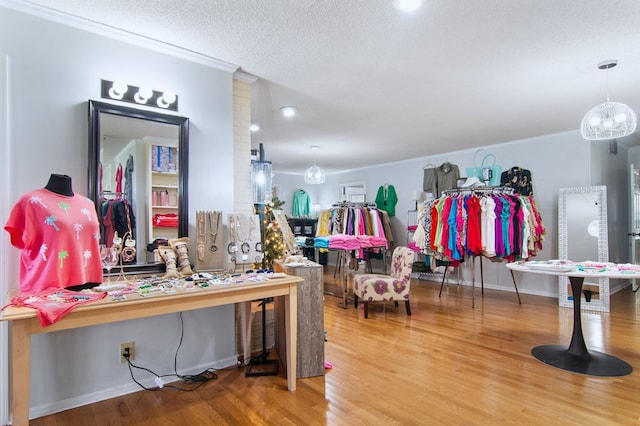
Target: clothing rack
(117,195)
(353,204)
(480,189)
(472,252)
(473,280)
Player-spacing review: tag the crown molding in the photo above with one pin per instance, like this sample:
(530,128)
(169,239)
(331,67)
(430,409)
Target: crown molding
(244,77)
(117,34)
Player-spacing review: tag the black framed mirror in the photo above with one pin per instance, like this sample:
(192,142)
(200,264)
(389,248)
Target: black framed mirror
(141,157)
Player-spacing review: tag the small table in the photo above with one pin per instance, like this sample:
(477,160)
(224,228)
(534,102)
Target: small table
(576,357)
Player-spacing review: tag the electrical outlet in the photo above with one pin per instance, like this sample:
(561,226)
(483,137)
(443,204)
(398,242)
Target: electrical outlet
(132,352)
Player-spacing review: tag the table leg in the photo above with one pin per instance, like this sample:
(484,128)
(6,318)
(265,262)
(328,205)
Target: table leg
(513,278)
(20,371)
(577,358)
(291,319)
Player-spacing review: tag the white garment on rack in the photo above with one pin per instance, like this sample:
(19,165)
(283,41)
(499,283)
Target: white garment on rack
(526,229)
(488,226)
(419,234)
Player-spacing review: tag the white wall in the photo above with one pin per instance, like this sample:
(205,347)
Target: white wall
(53,70)
(611,170)
(555,161)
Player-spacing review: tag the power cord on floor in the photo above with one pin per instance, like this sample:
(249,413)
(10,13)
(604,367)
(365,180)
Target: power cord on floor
(198,379)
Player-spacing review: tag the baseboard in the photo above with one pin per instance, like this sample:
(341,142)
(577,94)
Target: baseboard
(90,398)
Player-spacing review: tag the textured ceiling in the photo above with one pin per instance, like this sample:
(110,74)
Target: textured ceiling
(374,85)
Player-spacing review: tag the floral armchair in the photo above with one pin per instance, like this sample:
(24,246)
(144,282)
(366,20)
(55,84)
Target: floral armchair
(393,287)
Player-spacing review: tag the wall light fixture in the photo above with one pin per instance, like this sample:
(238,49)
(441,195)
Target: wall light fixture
(143,95)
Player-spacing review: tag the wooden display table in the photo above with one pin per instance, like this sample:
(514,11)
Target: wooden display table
(24,323)
(310,354)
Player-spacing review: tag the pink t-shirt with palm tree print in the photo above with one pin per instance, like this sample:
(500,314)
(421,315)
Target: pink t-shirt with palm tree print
(58,238)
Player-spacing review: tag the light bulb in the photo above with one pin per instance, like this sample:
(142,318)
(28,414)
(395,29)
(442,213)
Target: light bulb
(118,89)
(166,99)
(407,5)
(288,111)
(143,95)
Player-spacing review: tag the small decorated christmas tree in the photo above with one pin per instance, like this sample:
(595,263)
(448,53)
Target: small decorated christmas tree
(273,241)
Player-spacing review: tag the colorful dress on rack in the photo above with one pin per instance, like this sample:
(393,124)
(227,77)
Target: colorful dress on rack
(499,225)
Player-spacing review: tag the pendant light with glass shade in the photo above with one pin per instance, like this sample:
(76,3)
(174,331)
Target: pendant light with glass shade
(314,174)
(608,120)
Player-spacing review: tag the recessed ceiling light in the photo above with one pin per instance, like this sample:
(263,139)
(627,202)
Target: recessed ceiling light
(407,5)
(254,128)
(315,147)
(288,111)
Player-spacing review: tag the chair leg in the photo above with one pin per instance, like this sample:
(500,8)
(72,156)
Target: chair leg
(366,309)
(355,301)
(406,305)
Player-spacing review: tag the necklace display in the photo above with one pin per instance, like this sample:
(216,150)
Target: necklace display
(243,237)
(214,220)
(232,248)
(201,237)
(244,242)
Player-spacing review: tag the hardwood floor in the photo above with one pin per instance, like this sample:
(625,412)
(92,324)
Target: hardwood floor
(446,364)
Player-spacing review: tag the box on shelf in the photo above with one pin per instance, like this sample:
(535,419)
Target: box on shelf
(164,159)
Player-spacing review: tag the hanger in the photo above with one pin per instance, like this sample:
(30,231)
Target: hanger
(429,165)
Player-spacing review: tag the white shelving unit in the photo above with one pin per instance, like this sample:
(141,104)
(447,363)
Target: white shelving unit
(162,196)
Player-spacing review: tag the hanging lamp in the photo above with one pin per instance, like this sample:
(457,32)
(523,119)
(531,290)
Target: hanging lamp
(608,120)
(314,174)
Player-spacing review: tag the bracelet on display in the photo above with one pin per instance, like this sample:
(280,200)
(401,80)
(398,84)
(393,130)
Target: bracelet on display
(259,247)
(245,247)
(128,254)
(231,248)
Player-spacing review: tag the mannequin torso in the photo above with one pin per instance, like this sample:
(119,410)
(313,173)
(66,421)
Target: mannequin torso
(60,184)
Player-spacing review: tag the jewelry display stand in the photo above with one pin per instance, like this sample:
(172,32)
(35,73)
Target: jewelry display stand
(245,245)
(120,244)
(209,253)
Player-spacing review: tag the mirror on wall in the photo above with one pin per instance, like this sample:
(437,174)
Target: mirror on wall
(353,192)
(583,235)
(138,178)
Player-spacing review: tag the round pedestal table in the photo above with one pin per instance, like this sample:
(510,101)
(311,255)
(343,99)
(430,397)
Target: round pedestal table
(577,358)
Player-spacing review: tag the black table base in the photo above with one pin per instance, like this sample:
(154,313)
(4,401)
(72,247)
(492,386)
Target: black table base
(591,363)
